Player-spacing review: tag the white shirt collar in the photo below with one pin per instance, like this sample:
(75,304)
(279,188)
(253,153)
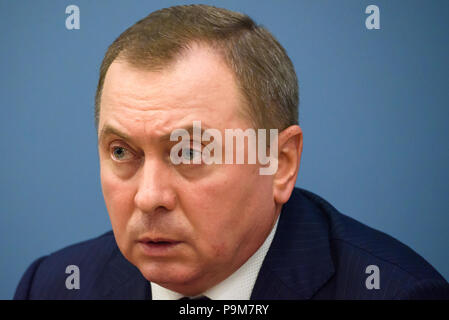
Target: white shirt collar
(238,286)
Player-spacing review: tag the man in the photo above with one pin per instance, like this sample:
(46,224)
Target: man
(217,230)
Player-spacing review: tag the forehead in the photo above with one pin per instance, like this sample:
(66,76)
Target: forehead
(197,86)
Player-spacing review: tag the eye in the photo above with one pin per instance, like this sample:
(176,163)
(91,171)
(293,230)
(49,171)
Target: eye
(190,154)
(121,153)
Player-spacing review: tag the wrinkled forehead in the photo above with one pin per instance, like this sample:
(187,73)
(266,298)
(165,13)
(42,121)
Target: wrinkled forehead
(197,86)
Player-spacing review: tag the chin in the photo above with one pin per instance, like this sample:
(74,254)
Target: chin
(168,274)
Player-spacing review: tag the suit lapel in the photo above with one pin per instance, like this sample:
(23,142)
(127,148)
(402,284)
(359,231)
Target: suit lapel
(298,262)
(122,280)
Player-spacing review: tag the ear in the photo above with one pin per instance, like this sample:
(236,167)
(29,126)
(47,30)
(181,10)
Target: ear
(289,157)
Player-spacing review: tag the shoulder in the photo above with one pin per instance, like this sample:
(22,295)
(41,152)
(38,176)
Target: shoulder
(46,277)
(359,251)
(97,248)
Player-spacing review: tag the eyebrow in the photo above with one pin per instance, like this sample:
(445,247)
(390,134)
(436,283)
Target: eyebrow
(109,130)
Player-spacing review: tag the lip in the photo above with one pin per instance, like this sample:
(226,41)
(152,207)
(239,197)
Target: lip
(157,246)
(156,239)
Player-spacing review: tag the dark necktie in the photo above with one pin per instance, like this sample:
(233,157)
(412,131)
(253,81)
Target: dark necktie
(197,298)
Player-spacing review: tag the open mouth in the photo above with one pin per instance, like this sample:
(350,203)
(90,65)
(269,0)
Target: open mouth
(158,247)
(159,242)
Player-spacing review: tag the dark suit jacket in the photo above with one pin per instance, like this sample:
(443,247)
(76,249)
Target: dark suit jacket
(316,253)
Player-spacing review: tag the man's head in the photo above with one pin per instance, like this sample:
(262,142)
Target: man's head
(189,226)
(264,73)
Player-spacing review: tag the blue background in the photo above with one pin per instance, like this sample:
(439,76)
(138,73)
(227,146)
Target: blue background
(374,111)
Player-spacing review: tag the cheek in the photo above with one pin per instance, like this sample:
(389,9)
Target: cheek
(218,210)
(118,197)
(238,228)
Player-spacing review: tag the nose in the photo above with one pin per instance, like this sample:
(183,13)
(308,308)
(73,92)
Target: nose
(155,192)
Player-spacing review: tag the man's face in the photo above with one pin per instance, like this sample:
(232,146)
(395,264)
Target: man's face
(187,226)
